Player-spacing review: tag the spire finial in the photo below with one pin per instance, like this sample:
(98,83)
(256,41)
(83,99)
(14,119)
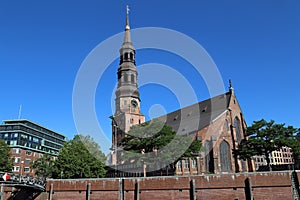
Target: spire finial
(231,90)
(127,19)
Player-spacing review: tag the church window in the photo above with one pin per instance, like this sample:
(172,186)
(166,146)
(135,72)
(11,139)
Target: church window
(132,78)
(125,102)
(226,125)
(209,159)
(225,156)
(237,130)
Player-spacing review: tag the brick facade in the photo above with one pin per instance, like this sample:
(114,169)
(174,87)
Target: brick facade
(265,185)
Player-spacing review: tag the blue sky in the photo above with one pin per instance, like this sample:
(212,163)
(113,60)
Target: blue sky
(43,44)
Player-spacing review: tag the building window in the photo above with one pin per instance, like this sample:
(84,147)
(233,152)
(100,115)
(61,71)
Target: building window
(16,160)
(26,169)
(179,166)
(16,168)
(186,164)
(27,161)
(28,153)
(16,151)
(225,156)
(131,121)
(237,130)
(194,163)
(226,125)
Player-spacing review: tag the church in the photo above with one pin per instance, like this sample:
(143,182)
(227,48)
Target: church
(220,124)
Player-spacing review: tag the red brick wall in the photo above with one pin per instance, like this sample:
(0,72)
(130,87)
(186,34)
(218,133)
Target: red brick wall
(266,185)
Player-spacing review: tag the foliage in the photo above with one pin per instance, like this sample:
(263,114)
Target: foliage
(43,166)
(156,142)
(76,161)
(5,157)
(265,137)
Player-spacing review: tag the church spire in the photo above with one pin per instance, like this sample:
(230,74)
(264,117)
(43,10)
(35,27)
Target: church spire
(127,38)
(231,89)
(127,51)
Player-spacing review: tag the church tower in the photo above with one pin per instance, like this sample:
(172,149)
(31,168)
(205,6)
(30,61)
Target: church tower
(127,102)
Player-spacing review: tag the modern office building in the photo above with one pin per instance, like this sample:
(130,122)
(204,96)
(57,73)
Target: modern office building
(29,141)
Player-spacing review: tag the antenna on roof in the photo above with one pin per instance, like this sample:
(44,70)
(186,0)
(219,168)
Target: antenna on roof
(20,111)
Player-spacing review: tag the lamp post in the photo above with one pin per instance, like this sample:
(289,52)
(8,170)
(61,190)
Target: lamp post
(115,143)
(21,168)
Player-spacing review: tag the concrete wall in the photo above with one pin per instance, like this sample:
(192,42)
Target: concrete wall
(265,185)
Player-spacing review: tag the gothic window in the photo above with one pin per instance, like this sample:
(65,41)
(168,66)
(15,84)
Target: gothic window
(209,159)
(237,130)
(225,157)
(226,125)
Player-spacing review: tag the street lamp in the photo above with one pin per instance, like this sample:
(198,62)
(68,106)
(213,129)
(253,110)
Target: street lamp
(21,168)
(115,143)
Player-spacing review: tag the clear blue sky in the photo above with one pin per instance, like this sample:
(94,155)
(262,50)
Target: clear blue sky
(43,43)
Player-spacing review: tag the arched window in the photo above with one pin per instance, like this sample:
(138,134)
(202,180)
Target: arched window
(209,158)
(226,125)
(125,78)
(237,126)
(132,78)
(225,157)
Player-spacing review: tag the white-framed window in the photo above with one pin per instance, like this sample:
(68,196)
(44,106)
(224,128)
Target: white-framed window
(16,160)
(194,163)
(16,168)
(26,169)
(28,153)
(17,150)
(27,161)
(186,164)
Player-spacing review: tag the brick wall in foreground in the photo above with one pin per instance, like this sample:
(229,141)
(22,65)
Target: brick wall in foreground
(265,185)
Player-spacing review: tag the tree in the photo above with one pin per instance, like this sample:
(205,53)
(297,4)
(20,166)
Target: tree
(265,137)
(76,161)
(43,166)
(154,142)
(5,157)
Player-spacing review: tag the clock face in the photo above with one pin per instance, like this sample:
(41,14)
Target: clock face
(134,103)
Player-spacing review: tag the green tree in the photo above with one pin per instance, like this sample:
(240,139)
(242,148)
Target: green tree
(265,137)
(76,161)
(5,157)
(43,166)
(156,142)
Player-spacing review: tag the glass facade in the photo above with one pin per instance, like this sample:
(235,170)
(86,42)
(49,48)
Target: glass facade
(28,135)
